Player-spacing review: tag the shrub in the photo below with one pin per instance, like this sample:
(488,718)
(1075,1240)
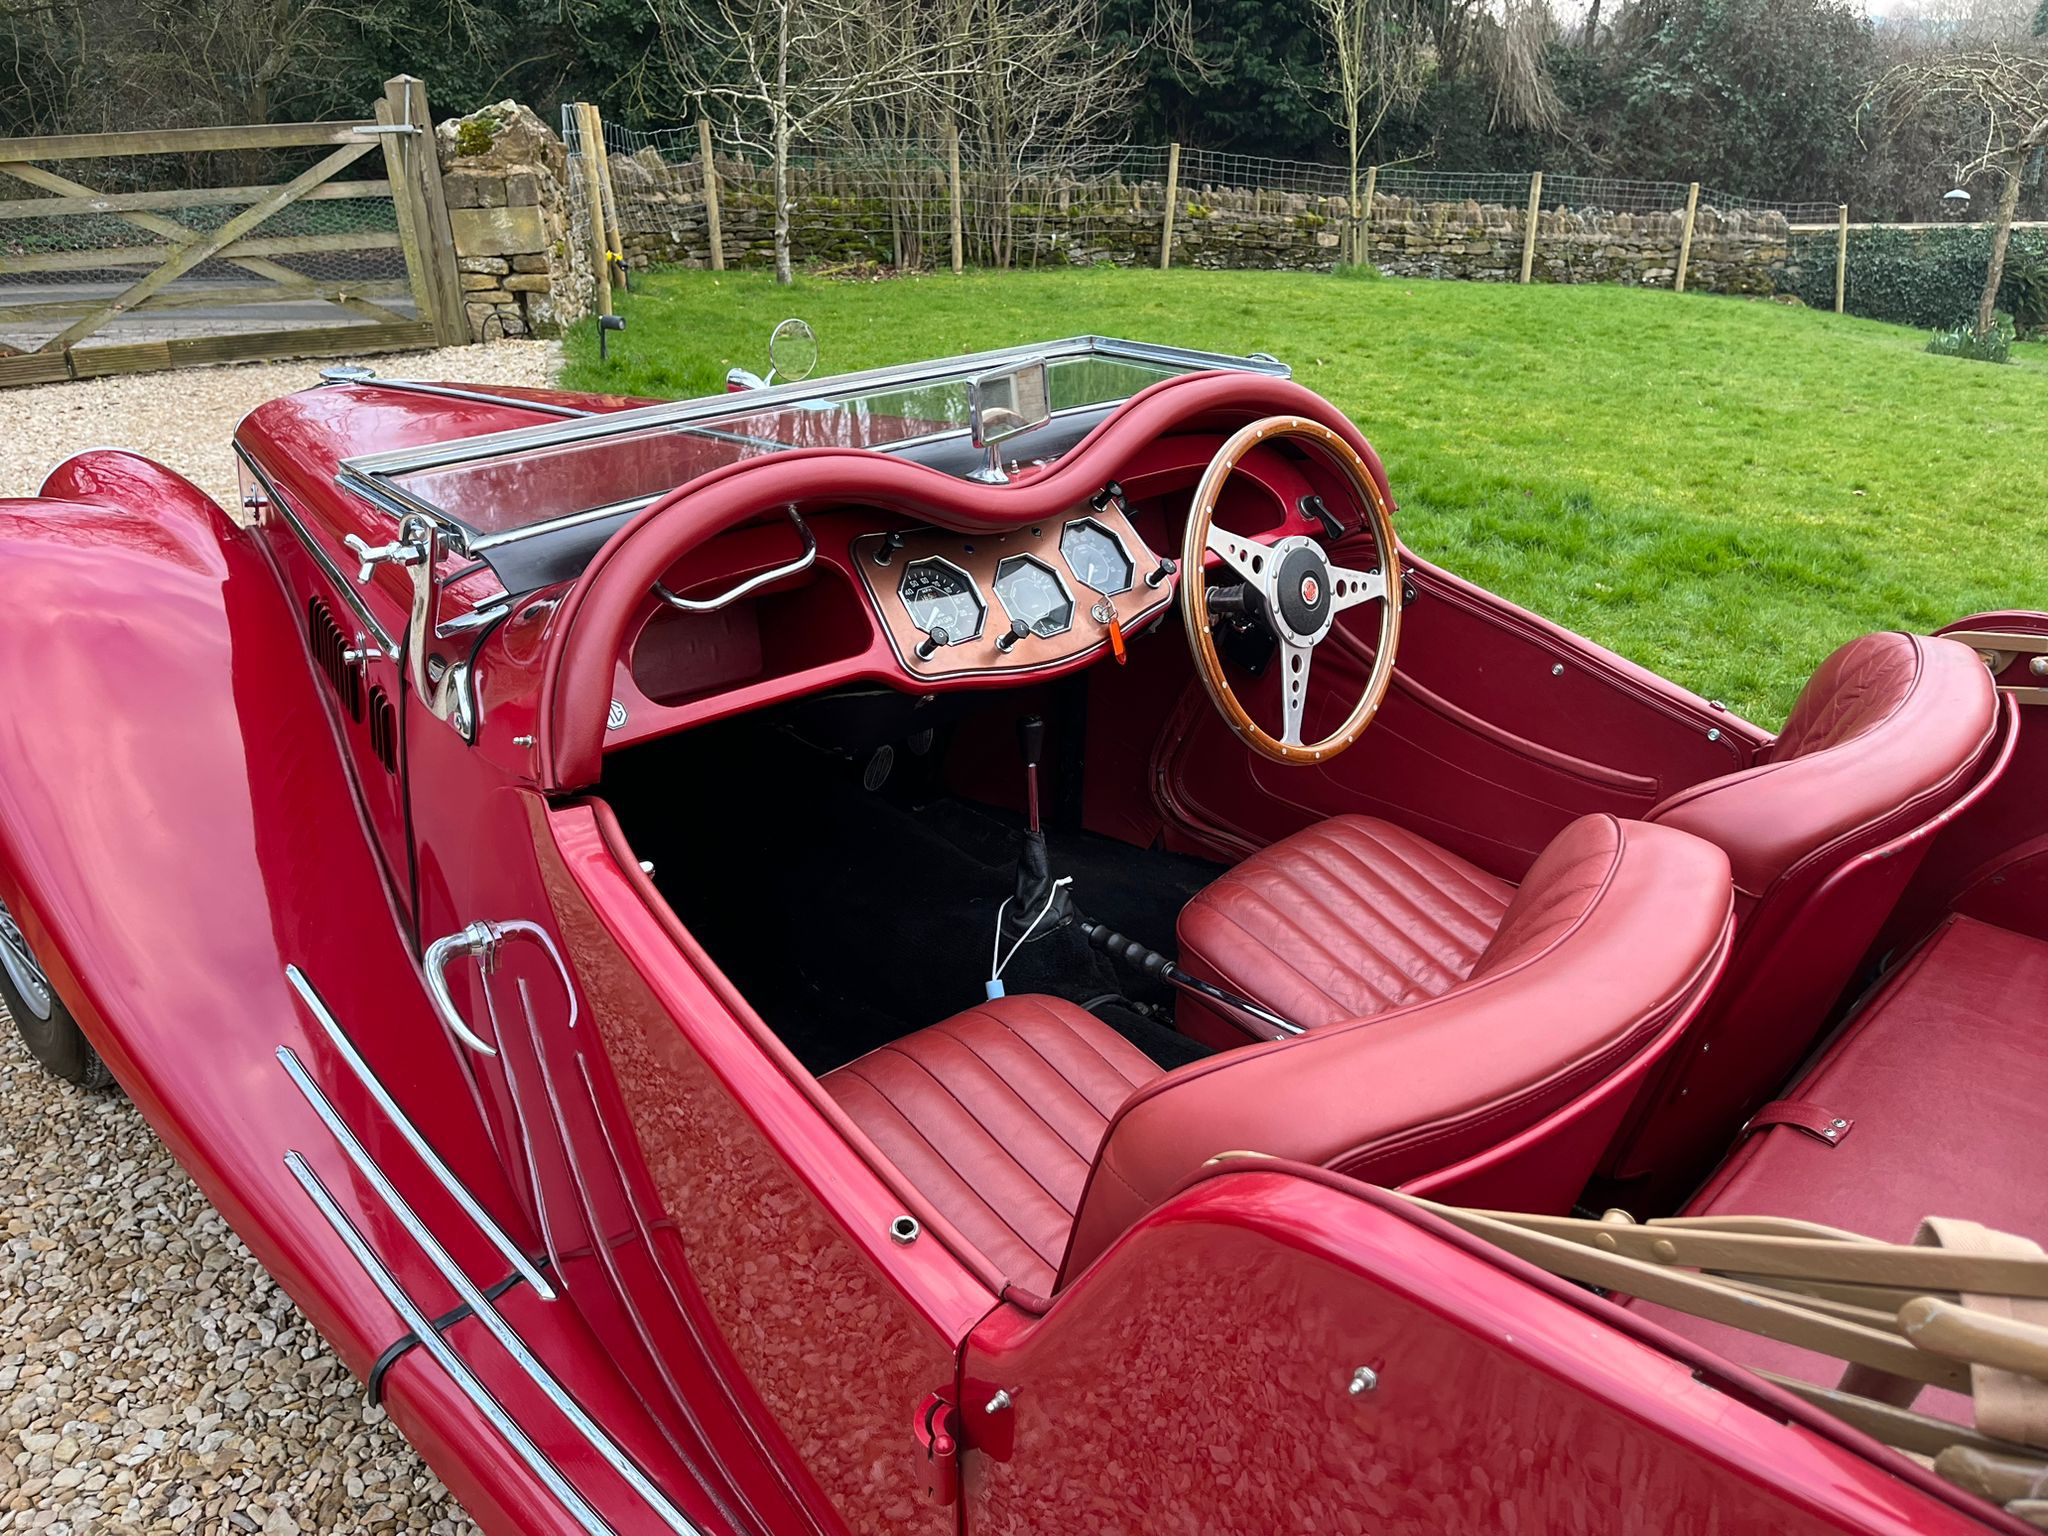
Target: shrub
(2025,289)
(1921,278)
(1963,341)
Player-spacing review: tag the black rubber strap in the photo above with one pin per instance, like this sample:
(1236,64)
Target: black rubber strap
(441,1324)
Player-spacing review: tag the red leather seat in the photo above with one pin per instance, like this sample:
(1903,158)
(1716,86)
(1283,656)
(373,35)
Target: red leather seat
(1930,1103)
(1884,743)
(996,1115)
(1347,918)
(1037,1131)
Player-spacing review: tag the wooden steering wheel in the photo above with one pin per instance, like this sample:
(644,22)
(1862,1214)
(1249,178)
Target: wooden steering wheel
(1296,588)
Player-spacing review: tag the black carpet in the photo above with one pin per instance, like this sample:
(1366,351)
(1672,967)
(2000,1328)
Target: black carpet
(851,917)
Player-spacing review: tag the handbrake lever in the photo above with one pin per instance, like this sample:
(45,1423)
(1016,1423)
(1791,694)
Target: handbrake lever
(1144,958)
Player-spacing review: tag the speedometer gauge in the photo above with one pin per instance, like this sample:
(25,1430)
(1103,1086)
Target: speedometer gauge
(1097,556)
(1031,591)
(940,596)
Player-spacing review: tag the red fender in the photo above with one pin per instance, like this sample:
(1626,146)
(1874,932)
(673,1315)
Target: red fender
(176,826)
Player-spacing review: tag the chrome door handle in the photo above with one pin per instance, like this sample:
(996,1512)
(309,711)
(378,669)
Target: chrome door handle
(482,941)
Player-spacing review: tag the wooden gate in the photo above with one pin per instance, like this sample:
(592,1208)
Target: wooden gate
(95,280)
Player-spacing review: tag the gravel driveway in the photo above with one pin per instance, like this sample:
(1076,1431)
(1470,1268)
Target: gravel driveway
(186,419)
(152,1377)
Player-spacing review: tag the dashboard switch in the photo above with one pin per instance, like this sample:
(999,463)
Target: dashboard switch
(928,647)
(1111,495)
(890,544)
(1166,568)
(1008,642)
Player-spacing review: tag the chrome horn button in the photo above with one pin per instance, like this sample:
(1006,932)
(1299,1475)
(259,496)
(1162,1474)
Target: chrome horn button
(1302,591)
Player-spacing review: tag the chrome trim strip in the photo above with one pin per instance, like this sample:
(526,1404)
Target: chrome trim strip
(422,1328)
(320,557)
(345,1048)
(480,1305)
(369,377)
(684,412)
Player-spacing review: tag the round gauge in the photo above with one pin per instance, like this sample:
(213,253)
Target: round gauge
(939,595)
(1097,556)
(1032,591)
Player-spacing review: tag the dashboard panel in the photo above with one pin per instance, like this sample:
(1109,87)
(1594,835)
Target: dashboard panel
(955,603)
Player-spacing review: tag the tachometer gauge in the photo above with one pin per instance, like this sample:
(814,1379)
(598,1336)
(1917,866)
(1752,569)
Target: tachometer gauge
(1031,591)
(941,596)
(1097,556)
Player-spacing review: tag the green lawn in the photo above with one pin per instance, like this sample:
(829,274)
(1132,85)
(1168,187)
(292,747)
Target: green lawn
(1721,490)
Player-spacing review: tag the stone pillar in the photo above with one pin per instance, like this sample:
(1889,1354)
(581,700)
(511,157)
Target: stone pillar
(505,175)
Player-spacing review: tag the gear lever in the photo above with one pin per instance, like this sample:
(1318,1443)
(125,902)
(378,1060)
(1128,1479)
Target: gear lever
(1035,884)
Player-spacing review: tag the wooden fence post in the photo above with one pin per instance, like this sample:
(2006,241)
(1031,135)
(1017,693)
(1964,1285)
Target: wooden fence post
(953,183)
(1172,197)
(413,166)
(1362,256)
(1841,256)
(608,200)
(712,232)
(1529,225)
(586,152)
(1692,208)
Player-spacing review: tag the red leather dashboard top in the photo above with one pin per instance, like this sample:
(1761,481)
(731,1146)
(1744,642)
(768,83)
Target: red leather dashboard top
(591,630)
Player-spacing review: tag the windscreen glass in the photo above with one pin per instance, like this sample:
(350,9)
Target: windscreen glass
(548,482)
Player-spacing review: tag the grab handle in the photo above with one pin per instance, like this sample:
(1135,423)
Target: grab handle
(755,583)
(482,941)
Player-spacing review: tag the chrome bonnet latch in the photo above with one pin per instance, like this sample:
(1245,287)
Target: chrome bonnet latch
(482,942)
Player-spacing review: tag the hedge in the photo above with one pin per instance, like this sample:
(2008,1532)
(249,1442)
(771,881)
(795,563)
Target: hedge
(1926,277)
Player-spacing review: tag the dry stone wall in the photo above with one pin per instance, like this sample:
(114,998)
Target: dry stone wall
(505,176)
(663,212)
(526,268)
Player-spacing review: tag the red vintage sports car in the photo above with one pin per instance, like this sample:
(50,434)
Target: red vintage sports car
(900,953)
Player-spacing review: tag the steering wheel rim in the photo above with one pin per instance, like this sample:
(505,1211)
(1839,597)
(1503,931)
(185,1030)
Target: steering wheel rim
(1316,592)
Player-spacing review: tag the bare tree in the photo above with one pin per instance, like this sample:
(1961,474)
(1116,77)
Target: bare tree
(2003,94)
(780,71)
(1377,63)
(1036,82)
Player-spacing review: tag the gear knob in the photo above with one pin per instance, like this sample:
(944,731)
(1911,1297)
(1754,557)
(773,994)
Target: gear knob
(1031,739)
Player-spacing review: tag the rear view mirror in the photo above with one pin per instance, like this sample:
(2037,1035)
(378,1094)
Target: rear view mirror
(1003,405)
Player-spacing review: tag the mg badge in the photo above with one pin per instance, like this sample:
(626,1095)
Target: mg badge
(615,717)
(1311,589)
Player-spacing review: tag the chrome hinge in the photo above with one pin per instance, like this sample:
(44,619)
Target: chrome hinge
(937,1428)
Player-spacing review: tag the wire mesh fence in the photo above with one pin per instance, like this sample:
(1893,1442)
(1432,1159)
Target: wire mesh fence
(908,202)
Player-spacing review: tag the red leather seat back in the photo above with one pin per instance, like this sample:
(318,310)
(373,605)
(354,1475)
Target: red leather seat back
(1885,738)
(1508,1080)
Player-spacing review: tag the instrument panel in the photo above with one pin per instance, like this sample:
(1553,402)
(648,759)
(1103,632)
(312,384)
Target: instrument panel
(953,603)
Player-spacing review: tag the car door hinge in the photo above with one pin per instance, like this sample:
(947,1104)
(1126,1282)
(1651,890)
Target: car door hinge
(938,1442)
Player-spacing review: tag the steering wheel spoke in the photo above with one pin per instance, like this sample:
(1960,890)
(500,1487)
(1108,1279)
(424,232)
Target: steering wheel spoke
(1295,659)
(1350,588)
(1247,557)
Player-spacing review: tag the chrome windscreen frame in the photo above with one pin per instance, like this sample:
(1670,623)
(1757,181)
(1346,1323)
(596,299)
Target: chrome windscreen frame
(373,477)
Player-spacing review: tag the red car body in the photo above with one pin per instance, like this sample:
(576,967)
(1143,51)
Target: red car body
(222,798)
